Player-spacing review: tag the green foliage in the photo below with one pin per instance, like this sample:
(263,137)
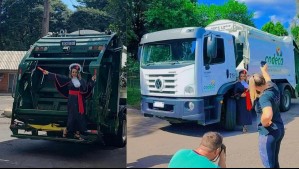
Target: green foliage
(275,29)
(295,33)
(236,11)
(21,21)
(117,11)
(135,24)
(164,14)
(88,18)
(24,19)
(59,15)
(134,97)
(96,4)
(18,19)
(132,65)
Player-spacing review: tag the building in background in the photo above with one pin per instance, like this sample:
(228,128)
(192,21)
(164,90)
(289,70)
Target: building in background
(9,62)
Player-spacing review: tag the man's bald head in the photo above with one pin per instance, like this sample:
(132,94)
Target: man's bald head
(211,140)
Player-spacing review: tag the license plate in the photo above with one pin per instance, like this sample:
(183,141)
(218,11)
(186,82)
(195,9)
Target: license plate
(68,43)
(159,104)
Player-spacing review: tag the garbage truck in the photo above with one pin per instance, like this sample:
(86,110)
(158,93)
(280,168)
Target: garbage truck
(187,74)
(40,110)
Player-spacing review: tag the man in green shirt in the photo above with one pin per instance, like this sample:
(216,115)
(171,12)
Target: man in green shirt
(209,151)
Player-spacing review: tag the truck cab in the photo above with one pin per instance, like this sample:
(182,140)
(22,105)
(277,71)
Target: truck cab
(183,71)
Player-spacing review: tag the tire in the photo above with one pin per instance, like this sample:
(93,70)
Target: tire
(285,100)
(120,138)
(230,115)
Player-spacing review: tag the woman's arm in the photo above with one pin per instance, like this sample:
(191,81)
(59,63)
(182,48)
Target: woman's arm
(267,115)
(265,73)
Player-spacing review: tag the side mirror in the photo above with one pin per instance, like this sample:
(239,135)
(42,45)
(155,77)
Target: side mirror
(212,46)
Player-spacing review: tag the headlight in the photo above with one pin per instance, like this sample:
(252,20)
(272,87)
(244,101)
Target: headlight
(189,90)
(191,106)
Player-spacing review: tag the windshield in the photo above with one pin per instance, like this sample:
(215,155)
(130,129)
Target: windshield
(169,52)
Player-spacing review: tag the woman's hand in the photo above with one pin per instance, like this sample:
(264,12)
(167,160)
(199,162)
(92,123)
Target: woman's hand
(45,72)
(243,95)
(264,68)
(94,77)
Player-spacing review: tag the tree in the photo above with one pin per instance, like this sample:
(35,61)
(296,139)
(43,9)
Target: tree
(164,14)
(117,11)
(24,20)
(59,15)
(236,11)
(295,33)
(96,4)
(88,18)
(275,29)
(135,24)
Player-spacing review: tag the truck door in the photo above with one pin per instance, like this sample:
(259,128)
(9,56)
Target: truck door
(218,63)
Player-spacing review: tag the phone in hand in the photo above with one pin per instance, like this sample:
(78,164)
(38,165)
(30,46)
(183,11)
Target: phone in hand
(223,147)
(263,63)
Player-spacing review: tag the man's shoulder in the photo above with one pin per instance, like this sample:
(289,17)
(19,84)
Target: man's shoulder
(189,158)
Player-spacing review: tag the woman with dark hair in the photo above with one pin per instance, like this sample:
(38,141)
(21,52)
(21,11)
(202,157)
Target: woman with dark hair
(244,116)
(76,89)
(266,96)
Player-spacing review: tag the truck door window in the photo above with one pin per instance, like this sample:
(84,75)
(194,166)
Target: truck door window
(220,58)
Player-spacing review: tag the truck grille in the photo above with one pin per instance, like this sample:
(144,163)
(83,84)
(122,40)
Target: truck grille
(162,83)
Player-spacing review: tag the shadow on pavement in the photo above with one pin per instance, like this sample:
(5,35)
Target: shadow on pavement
(150,161)
(140,125)
(40,153)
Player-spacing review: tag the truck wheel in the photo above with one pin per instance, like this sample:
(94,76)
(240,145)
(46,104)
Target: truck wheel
(230,115)
(119,139)
(285,100)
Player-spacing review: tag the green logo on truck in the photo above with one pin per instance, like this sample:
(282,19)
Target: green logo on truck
(276,59)
(210,86)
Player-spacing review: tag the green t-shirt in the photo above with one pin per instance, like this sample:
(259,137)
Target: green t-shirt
(190,159)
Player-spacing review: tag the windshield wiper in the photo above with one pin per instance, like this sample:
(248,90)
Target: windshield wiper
(149,63)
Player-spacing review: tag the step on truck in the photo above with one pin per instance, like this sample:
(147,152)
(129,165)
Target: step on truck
(40,111)
(187,74)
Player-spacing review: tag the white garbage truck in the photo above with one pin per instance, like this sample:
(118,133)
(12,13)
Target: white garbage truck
(187,74)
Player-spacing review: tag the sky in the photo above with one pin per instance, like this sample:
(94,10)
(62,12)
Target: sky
(70,3)
(264,11)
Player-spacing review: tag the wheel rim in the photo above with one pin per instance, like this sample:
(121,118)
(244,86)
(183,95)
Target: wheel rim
(286,99)
(124,133)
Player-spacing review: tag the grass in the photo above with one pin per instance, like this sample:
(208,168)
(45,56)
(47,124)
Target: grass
(134,97)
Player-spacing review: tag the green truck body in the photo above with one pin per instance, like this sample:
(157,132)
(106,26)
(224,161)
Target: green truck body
(40,109)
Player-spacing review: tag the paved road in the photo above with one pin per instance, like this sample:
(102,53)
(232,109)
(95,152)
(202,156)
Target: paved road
(152,142)
(21,153)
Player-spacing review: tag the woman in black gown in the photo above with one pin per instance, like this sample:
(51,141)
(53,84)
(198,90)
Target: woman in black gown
(76,89)
(244,116)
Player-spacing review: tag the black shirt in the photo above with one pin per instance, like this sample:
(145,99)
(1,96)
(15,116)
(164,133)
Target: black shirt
(270,97)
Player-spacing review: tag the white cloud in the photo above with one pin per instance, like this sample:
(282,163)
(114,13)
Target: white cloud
(275,19)
(257,14)
(268,2)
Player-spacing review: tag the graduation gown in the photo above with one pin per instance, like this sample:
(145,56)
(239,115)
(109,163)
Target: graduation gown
(244,115)
(76,100)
